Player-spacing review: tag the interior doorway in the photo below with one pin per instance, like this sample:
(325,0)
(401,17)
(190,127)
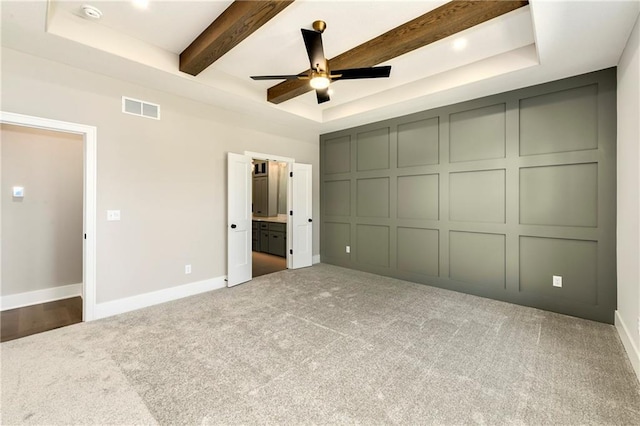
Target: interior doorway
(269,200)
(44,297)
(290,235)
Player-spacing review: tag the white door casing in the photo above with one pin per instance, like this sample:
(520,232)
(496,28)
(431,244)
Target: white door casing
(300,225)
(239,262)
(89,215)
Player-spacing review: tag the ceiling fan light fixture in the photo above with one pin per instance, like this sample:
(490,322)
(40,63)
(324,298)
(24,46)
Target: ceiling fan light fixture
(319,82)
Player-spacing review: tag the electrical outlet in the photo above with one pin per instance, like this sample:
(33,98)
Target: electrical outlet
(348,249)
(557,281)
(187,269)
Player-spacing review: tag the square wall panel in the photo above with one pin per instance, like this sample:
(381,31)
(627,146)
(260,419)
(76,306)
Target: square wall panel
(559,195)
(373,150)
(337,236)
(477,196)
(337,155)
(418,197)
(477,258)
(574,260)
(560,121)
(337,198)
(418,251)
(372,197)
(477,134)
(418,143)
(373,245)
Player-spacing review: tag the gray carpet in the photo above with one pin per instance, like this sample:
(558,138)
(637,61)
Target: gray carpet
(323,345)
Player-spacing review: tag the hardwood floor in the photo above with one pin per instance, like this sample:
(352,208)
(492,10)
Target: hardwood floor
(34,319)
(264,263)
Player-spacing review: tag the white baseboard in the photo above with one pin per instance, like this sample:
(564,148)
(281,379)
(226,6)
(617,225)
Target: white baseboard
(628,343)
(35,297)
(315,259)
(120,306)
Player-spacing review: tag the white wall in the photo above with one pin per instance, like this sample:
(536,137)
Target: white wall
(167,177)
(628,198)
(42,231)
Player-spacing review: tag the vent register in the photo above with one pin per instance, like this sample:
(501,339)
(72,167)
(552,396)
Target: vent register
(140,108)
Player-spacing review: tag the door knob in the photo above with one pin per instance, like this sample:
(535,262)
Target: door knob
(233,226)
(310,220)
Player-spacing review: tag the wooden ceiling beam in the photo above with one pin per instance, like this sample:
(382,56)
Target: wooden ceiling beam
(235,24)
(435,25)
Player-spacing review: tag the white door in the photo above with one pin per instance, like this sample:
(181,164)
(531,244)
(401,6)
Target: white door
(301,226)
(238,219)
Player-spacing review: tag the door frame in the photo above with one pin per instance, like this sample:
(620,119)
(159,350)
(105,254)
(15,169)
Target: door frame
(89,134)
(289,161)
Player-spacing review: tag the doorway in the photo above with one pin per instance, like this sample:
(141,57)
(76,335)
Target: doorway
(45,296)
(269,216)
(291,237)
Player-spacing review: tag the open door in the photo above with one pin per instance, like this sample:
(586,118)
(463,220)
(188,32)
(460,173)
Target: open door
(238,219)
(300,224)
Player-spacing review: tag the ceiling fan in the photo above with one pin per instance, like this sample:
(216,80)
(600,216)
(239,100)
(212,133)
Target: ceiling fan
(319,75)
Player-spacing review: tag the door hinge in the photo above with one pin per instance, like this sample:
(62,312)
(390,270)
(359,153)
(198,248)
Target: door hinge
(290,251)
(290,212)
(290,174)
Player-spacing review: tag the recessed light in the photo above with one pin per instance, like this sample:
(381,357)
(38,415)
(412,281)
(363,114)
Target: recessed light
(459,43)
(140,4)
(91,11)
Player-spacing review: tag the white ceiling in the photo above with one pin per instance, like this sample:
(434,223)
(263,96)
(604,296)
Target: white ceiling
(543,41)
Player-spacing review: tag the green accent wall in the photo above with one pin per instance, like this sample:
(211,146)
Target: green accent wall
(491,197)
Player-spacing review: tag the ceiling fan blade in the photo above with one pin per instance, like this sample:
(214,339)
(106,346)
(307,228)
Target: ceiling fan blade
(356,73)
(313,43)
(322,95)
(276,77)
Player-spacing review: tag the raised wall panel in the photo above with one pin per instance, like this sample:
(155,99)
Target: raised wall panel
(373,245)
(372,197)
(537,162)
(336,237)
(418,197)
(418,143)
(560,121)
(337,198)
(337,155)
(418,251)
(575,261)
(559,195)
(373,150)
(477,196)
(477,134)
(477,258)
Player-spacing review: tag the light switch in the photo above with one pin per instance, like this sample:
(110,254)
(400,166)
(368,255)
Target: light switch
(113,215)
(18,191)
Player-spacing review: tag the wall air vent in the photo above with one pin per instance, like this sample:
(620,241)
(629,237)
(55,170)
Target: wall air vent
(141,108)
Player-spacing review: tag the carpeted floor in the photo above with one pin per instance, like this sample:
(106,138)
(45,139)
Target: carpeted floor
(323,345)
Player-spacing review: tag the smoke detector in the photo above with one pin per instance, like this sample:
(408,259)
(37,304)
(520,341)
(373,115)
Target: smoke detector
(91,12)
